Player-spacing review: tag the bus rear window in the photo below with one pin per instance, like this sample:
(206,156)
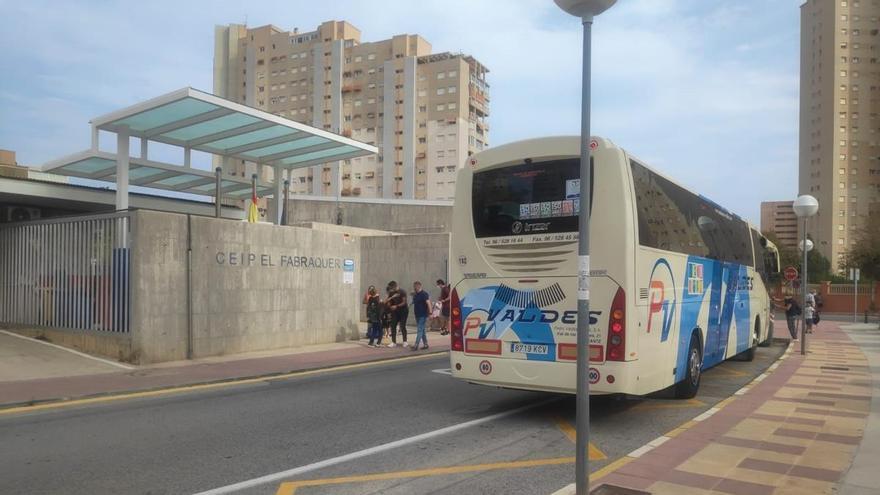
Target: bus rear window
(537,198)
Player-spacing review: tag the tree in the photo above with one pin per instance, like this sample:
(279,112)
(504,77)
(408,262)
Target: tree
(787,256)
(818,265)
(865,251)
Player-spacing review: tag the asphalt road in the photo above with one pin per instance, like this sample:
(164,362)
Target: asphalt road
(197,441)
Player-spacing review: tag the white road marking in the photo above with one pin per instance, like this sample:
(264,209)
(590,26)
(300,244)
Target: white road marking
(105,361)
(282,475)
(644,449)
(707,414)
(445,371)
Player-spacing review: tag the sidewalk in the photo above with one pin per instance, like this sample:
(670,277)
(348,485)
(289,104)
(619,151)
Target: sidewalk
(19,391)
(808,425)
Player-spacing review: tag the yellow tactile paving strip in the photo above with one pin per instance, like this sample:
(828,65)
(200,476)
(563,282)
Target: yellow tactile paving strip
(794,430)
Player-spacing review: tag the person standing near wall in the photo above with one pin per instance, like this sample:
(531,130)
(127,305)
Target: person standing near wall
(422,308)
(374,329)
(444,310)
(397,304)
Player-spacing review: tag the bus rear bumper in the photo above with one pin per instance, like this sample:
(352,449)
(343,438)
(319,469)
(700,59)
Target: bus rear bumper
(545,376)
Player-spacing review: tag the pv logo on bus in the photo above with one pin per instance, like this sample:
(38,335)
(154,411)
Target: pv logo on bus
(661,299)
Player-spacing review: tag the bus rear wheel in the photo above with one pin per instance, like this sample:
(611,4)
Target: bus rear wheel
(749,354)
(769,339)
(687,388)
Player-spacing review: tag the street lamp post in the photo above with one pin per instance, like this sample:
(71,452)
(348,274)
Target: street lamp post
(586,10)
(804,207)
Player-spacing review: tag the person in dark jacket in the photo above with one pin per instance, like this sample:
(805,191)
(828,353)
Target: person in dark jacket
(374,310)
(397,304)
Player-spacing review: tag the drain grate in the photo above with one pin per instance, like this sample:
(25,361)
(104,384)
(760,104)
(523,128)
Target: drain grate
(617,490)
(835,368)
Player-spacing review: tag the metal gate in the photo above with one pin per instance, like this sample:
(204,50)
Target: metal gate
(71,273)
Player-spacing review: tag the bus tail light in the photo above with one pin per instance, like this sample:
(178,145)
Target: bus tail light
(616,344)
(456,334)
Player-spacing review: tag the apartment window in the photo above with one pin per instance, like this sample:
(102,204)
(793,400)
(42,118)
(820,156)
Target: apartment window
(371,71)
(842,185)
(440,107)
(452,89)
(854,171)
(422,92)
(357,103)
(843,17)
(441,91)
(423,108)
(453,73)
(441,75)
(421,77)
(440,138)
(842,171)
(302,97)
(451,106)
(441,154)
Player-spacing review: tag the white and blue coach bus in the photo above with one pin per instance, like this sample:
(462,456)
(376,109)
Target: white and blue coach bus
(677,281)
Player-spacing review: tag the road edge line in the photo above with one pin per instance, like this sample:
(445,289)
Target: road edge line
(59,403)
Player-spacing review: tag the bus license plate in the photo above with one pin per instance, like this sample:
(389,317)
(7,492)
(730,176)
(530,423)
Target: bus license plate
(528,348)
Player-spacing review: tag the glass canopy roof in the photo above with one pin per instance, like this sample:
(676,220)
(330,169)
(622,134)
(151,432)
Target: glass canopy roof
(145,173)
(200,121)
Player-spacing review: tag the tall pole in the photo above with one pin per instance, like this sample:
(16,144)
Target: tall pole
(582,440)
(855,294)
(804,288)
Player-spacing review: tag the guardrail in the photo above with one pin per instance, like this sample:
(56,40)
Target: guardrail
(70,273)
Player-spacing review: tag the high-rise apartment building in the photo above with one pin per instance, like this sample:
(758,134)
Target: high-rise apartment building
(425,112)
(778,217)
(840,118)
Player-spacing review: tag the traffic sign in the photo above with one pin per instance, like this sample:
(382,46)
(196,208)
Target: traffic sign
(790,273)
(854,274)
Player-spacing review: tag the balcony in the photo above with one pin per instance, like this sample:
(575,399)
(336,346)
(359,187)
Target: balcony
(348,88)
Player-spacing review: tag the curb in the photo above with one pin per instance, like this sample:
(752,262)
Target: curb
(276,375)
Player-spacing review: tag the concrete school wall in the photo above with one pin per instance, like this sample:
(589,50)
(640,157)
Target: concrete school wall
(253,287)
(394,216)
(405,259)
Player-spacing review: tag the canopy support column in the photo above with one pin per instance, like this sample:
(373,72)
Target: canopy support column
(144,148)
(122,164)
(218,178)
(95,138)
(187,157)
(279,194)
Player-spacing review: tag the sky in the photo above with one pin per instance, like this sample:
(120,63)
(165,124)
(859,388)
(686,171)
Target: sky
(706,91)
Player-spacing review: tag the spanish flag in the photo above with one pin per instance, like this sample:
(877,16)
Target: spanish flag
(253,212)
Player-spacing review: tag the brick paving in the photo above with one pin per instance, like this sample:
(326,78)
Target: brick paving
(793,430)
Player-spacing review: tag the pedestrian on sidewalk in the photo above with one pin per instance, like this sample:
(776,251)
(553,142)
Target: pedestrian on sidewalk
(397,303)
(792,311)
(374,328)
(422,307)
(809,314)
(444,306)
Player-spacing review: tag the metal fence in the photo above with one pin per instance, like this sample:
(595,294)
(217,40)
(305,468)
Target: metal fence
(865,289)
(71,273)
